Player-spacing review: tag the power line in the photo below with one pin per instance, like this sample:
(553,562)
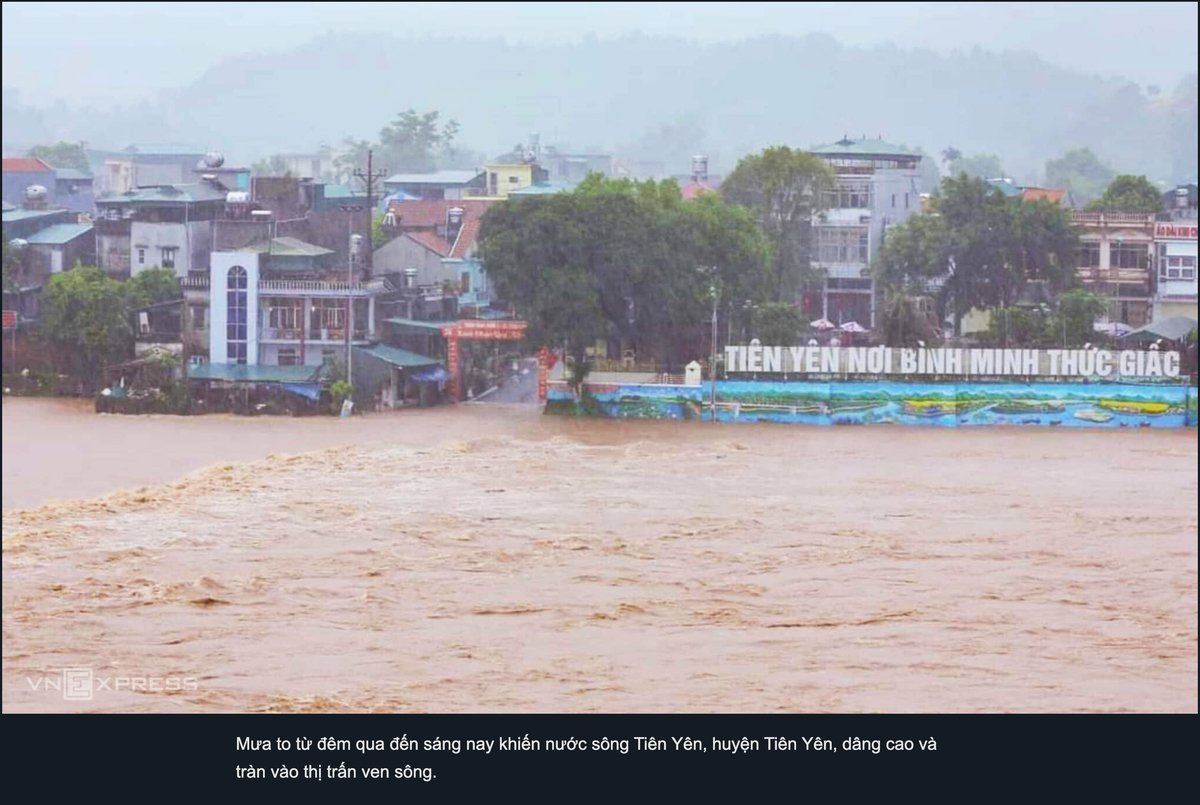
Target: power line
(369,178)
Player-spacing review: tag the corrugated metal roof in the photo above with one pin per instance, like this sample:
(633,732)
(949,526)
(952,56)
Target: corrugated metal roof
(167,193)
(58,234)
(242,373)
(543,189)
(435,326)
(448,177)
(289,247)
(431,241)
(22,215)
(71,173)
(396,356)
(25,165)
(164,149)
(862,148)
(343,191)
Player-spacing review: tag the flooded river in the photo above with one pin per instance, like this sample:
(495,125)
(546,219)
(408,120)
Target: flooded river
(486,558)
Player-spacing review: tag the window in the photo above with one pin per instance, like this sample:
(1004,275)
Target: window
(842,244)
(1178,267)
(513,179)
(1125,256)
(327,314)
(141,257)
(893,201)
(112,214)
(289,357)
(235,315)
(906,201)
(1088,255)
(285,314)
(199,316)
(168,256)
(466,282)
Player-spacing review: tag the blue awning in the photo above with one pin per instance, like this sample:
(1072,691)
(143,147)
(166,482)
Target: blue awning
(311,391)
(434,375)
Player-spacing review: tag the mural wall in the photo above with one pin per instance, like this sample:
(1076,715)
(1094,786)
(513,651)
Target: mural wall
(1072,405)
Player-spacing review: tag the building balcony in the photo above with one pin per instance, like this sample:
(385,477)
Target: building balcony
(1103,218)
(301,288)
(313,335)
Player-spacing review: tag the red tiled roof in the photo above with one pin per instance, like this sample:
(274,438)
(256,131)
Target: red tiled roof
(26,165)
(422,215)
(430,241)
(694,188)
(433,213)
(1036,193)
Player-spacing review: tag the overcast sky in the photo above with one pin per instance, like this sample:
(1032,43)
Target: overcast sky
(102,52)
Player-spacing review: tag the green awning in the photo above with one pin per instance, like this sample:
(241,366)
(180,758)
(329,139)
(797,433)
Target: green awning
(419,327)
(242,373)
(395,356)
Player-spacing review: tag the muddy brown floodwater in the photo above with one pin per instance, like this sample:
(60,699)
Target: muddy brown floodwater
(490,559)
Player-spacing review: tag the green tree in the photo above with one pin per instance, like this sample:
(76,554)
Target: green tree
(84,312)
(1080,173)
(12,263)
(979,166)
(274,165)
(1128,194)
(903,323)
(778,323)
(62,155)
(618,258)
(978,249)
(784,189)
(412,143)
(150,287)
(1076,317)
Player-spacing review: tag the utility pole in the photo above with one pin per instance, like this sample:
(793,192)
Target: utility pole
(369,178)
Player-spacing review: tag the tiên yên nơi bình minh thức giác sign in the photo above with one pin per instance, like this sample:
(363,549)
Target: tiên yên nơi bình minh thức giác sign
(951,361)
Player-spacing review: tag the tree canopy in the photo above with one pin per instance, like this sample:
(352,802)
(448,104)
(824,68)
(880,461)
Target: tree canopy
(979,166)
(412,143)
(1079,172)
(783,189)
(618,258)
(62,155)
(84,311)
(978,249)
(1128,194)
(150,287)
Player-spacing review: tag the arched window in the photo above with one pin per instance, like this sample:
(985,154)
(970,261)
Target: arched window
(235,315)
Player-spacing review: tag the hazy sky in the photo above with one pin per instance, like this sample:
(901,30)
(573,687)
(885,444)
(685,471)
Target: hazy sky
(125,52)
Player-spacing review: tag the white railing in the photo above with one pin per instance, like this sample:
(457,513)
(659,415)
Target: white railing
(320,287)
(1112,217)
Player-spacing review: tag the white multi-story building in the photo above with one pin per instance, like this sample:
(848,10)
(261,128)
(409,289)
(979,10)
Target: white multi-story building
(877,186)
(1175,256)
(279,303)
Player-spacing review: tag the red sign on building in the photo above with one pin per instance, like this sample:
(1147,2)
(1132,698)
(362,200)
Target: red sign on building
(1175,231)
(499,330)
(10,319)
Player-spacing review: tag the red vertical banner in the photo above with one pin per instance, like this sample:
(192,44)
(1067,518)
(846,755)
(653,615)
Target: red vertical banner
(543,358)
(452,367)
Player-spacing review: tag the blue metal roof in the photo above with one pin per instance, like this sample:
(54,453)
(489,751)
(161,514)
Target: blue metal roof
(23,215)
(260,373)
(396,356)
(59,234)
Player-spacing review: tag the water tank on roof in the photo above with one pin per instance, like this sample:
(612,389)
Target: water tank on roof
(214,159)
(35,192)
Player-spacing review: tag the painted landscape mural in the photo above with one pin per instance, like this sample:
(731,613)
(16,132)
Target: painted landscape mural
(1071,405)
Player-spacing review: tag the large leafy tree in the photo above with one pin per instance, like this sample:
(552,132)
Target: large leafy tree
(784,189)
(150,287)
(978,166)
(84,311)
(62,155)
(978,249)
(1129,194)
(1080,173)
(625,259)
(412,143)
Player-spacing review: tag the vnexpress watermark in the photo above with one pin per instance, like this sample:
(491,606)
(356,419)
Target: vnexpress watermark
(82,684)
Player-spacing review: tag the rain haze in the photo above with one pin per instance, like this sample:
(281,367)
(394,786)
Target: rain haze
(1023,81)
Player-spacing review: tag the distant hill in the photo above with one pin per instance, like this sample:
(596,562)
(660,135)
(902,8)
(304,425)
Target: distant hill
(652,98)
